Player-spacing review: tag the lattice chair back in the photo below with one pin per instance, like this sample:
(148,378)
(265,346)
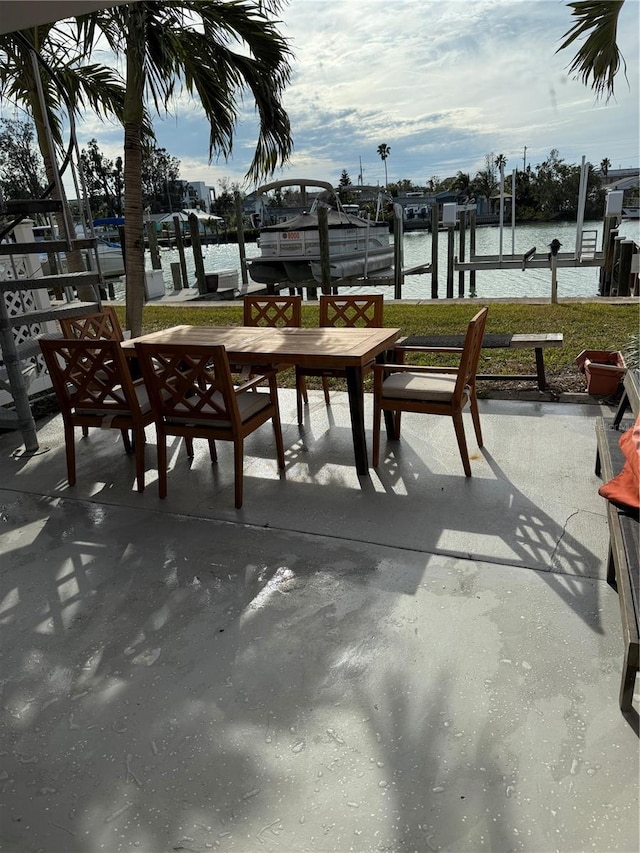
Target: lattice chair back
(273,311)
(187,385)
(192,395)
(94,388)
(102,325)
(340,311)
(364,310)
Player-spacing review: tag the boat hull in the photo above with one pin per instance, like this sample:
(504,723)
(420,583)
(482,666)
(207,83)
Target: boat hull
(353,267)
(290,251)
(273,271)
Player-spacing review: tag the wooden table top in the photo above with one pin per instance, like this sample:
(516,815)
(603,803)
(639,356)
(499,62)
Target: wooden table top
(308,347)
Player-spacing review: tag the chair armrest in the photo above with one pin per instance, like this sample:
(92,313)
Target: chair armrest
(427,349)
(400,351)
(254,381)
(412,368)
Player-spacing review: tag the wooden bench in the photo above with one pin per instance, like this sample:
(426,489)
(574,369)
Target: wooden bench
(536,342)
(623,564)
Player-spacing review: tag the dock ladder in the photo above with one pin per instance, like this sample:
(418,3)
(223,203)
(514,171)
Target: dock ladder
(588,245)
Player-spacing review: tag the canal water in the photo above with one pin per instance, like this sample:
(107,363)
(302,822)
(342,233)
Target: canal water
(417,250)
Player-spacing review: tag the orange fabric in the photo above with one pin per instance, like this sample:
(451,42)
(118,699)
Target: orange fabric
(624,489)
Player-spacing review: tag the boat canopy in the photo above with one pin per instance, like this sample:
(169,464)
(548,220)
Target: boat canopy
(309,221)
(109,220)
(295,182)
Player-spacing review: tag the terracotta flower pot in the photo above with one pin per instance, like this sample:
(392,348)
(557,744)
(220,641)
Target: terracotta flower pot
(604,370)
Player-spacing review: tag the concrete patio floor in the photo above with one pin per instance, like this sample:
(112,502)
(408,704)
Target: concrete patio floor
(409,661)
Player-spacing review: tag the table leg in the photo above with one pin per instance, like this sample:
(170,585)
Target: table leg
(542,379)
(623,405)
(356,410)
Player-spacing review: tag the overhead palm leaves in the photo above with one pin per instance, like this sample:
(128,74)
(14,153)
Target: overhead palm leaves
(190,44)
(218,50)
(598,60)
(86,86)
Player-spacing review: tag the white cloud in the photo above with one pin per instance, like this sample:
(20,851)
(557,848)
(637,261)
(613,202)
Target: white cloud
(443,82)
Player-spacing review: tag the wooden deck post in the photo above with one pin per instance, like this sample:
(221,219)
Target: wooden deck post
(472,253)
(461,250)
(323,233)
(241,247)
(152,237)
(196,247)
(398,254)
(610,232)
(625,254)
(180,247)
(434,250)
(450,248)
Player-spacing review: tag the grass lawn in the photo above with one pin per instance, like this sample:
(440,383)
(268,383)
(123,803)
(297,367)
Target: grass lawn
(585,325)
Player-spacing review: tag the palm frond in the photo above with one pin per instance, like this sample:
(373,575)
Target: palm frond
(598,59)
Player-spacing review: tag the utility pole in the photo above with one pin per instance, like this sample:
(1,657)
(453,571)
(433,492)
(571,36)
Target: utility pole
(524,168)
(360,175)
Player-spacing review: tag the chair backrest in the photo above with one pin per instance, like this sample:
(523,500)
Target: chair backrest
(273,311)
(187,384)
(90,376)
(364,310)
(471,351)
(103,325)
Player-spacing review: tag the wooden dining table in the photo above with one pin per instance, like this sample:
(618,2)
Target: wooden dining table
(348,348)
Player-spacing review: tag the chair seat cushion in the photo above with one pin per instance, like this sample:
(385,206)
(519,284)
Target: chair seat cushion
(105,409)
(419,386)
(249,404)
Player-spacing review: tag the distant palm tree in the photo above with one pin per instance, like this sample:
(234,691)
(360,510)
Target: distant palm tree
(500,162)
(383,153)
(598,59)
(605,165)
(484,184)
(462,183)
(171,44)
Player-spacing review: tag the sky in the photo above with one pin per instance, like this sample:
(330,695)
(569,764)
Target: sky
(443,83)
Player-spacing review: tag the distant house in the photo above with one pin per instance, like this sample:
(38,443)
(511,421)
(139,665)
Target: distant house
(614,176)
(194,192)
(205,220)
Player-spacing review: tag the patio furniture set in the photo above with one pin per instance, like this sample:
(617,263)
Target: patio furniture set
(190,388)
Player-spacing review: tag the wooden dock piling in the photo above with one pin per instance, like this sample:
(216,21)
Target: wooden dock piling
(196,247)
(180,247)
(434,251)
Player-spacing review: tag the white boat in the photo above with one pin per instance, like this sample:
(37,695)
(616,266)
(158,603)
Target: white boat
(109,254)
(290,250)
(110,257)
(631,212)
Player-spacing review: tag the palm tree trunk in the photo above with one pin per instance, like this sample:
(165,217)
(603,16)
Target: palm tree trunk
(133,120)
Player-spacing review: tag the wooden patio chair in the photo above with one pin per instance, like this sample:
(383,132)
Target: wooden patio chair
(281,312)
(403,387)
(94,388)
(102,325)
(192,395)
(364,310)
